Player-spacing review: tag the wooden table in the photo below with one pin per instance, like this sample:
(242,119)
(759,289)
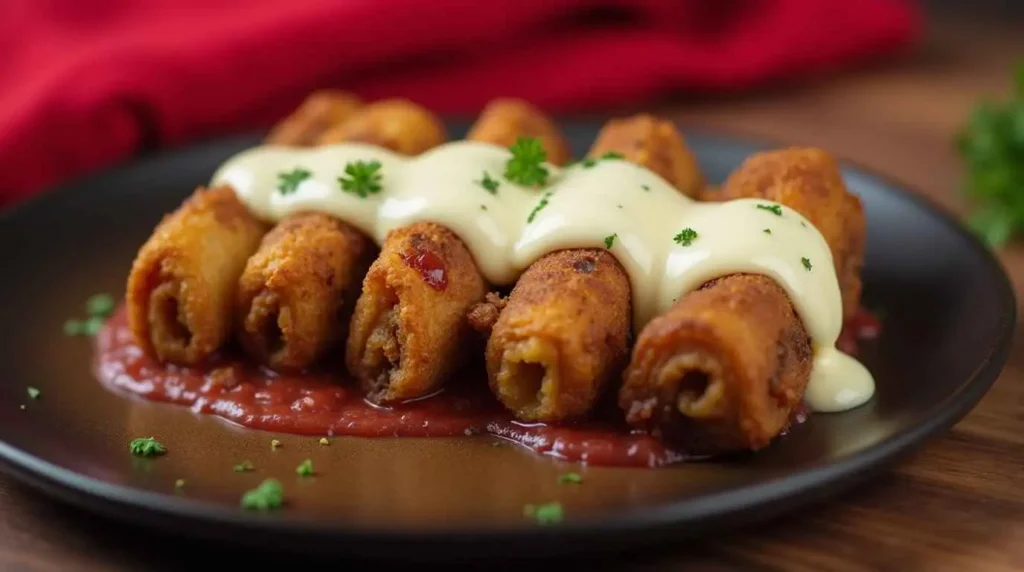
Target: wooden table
(958,504)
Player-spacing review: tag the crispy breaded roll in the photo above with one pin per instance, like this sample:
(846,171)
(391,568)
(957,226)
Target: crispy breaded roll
(721,370)
(296,293)
(320,111)
(809,181)
(725,367)
(563,334)
(396,124)
(506,119)
(409,325)
(656,144)
(182,284)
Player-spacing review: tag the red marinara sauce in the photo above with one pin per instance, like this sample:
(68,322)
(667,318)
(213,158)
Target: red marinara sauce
(327,403)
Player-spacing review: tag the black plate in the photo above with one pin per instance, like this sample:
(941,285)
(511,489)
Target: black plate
(949,314)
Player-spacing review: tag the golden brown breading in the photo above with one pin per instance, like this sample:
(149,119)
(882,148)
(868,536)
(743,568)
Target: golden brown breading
(809,181)
(320,111)
(297,291)
(562,337)
(181,288)
(396,124)
(505,120)
(409,328)
(721,370)
(656,144)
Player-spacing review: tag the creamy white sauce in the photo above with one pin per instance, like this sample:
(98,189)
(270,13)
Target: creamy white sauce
(585,206)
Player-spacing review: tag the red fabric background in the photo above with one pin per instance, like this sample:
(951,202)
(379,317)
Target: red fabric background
(83,84)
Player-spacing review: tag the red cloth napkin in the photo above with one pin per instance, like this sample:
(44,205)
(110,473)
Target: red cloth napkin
(84,84)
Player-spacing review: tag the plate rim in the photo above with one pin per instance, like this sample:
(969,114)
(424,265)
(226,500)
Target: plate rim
(745,503)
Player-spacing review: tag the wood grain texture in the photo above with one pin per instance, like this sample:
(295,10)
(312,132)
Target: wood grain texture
(957,504)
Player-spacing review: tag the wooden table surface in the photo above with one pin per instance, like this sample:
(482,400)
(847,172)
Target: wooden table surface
(957,504)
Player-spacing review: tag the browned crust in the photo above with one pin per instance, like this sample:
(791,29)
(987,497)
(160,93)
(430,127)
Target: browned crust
(721,370)
(296,293)
(182,283)
(562,337)
(397,124)
(407,336)
(506,119)
(656,144)
(320,111)
(809,181)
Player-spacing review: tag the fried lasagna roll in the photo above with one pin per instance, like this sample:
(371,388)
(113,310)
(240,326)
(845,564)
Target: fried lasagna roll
(505,120)
(182,283)
(564,331)
(397,124)
(296,296)
(409,331)
(319,112)
(724,368)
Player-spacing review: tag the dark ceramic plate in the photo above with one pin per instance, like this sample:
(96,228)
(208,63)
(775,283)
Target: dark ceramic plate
(948,317)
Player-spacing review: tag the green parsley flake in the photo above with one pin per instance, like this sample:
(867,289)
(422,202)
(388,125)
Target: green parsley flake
(146,447)
(73,327)
(610,240)
(807,263)
(33,392)
(483,207)
(645,187)
(543,203)
(776,209)
(244,467)
(526,167)
(92,325)
(550,513)
(363,178)
(610,155)
(685,237)
(489,184)
(588,162)
(803,224)
(305,468)
(767,231)
(100,305)
(288,183)
(570,479)
(268,495)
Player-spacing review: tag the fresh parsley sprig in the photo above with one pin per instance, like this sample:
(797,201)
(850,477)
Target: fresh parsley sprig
(526,166)
(288,182)
(362,178)
(991,145)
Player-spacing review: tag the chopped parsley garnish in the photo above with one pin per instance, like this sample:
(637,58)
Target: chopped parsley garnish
(570,479)
(146,447)
(620,206)
(685,237)
(991,145)
(288,183)
(767,231)
(267,496)
(610,240)
(806,262)
(33,392)
(101,305)
(549,513)
(543,203)
(610,155)
(363,178)
(526,167)
(244,467)
(645,187)
(776,209)
(803,224)
(324,441)
(489,184)
(305,468)
(274,443)
(179,484)
(483,207)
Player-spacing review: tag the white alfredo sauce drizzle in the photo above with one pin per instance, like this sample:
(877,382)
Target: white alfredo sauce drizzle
(508,230)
